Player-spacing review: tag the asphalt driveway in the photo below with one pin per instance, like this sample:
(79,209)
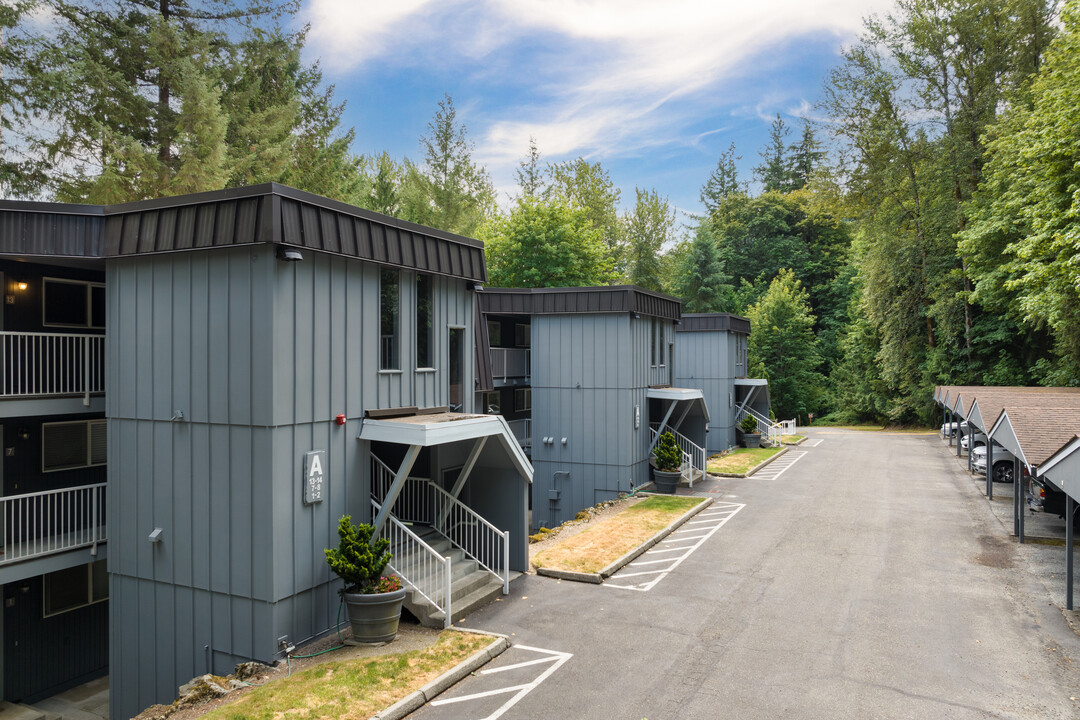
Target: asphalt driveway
(869,579)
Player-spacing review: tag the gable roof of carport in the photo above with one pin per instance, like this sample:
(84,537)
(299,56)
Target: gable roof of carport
(1063,467)
(1035,426)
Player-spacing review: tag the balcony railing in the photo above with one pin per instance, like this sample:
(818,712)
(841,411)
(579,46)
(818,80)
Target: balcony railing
(522,430)
(509,363)
(44,523)
(36,364)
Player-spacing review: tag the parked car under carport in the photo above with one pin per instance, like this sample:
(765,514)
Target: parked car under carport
(1003,462)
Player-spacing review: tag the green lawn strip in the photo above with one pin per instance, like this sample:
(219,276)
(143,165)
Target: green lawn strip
(791,439)
(740,461)
(877,428)
(593,549)
(356,688)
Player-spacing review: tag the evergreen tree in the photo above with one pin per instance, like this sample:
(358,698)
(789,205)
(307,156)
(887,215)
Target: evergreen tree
(723,181)
(529,175)
(544,243)
(649,226)
(589,187)
(805,156)
(701,281)
(774,172)
(450,191)
(782,342)
(22,171)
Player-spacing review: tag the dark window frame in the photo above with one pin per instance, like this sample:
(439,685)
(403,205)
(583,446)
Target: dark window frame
(90,287)
(494,338)
(425,326)
(389,343)
(89,425)
(96,592)
(521,405)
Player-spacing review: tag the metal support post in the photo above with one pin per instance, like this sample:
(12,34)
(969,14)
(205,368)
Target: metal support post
(1018,506)
(959,437)
(1070,508)
(948,423)
(989,469)
(1023,506)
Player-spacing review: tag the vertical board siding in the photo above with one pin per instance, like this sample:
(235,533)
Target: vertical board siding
(588,373)
(705,360)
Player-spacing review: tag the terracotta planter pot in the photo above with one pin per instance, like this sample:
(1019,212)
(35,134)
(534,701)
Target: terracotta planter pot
(666,482)
(374,618)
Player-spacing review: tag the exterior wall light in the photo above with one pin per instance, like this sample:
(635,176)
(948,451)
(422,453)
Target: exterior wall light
(21,285)
(289,254)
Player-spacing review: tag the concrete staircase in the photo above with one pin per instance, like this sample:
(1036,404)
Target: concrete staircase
(471,586)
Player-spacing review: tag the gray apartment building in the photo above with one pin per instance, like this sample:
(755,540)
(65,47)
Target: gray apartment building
(194,390)
(711,352)
(585,378)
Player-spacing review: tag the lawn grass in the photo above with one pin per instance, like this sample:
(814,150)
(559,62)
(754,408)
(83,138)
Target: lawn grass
(791,439)
(883,429)
(740,461)
(605,542)
(352,688)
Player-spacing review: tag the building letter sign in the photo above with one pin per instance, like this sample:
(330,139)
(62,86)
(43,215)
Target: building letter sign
(314,462)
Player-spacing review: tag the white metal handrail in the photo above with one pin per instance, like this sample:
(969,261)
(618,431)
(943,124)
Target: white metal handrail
(414,503)
(479,539)
(53,521)
(693,454)
(788,427)
(51,364)
(771,430)
(510,362)
(522,429)
(418,564)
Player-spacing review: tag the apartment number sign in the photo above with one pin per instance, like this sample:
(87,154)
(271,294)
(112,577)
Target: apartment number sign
(314,474)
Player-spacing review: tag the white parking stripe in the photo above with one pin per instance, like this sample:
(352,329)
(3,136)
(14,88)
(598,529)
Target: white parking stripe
(556,658)
(728,511)
(778,467)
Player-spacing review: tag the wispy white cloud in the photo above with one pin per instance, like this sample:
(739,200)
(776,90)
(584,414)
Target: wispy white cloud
(609,77)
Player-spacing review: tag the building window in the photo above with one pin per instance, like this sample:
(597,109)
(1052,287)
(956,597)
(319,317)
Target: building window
(523,400)
(494,333)
(425,301)
(73,444)
(72,303)
(740,351)
(522,336)
(389,318)
(492,403)
(652,327)
(75,587)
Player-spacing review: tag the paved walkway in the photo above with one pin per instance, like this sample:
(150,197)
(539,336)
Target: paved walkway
(869,579)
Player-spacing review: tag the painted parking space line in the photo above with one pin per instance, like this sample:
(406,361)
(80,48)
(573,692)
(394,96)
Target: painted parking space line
(522,680)
(721,513)
(779,466)
(815,443)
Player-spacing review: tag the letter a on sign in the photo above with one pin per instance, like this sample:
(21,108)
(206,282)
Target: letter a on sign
(313,476)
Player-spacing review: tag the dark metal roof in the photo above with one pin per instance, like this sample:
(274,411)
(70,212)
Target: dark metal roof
(268,213)
(578,300)
(48,229)
(704,322)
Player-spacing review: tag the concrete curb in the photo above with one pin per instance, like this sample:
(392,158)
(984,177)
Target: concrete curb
(593,578)
(797,442)
(648,544)
(754,469)
(598,578)
(416,699)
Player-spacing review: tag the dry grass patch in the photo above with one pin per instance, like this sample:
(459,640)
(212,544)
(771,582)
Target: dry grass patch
(352,689)
(791,439)
(740,461)
(605,542)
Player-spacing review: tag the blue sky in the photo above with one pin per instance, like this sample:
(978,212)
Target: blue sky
(653,89)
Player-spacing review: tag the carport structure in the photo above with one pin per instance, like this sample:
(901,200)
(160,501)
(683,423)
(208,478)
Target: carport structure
(1039,426)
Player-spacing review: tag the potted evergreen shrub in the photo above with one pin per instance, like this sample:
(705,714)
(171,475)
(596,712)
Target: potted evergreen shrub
(667,459)
(751,437)
(372,600)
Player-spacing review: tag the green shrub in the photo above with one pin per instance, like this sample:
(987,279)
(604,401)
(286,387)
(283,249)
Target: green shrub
(748,424)
(357,560)
(667,454)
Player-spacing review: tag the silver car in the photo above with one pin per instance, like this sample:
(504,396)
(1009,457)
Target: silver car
(1003,462)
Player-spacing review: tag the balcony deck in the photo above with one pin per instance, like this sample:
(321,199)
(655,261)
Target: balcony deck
(51,373)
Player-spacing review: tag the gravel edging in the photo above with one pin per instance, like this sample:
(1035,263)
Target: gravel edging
(598,578)
(756,467)
(418,698)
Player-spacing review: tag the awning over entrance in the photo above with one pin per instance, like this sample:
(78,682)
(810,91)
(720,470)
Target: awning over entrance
(690,396)
(427,430)
(676,406)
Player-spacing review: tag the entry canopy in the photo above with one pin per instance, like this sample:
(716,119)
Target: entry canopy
(680,394)
(447,427)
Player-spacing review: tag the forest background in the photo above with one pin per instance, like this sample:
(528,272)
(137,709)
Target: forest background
(926,231)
